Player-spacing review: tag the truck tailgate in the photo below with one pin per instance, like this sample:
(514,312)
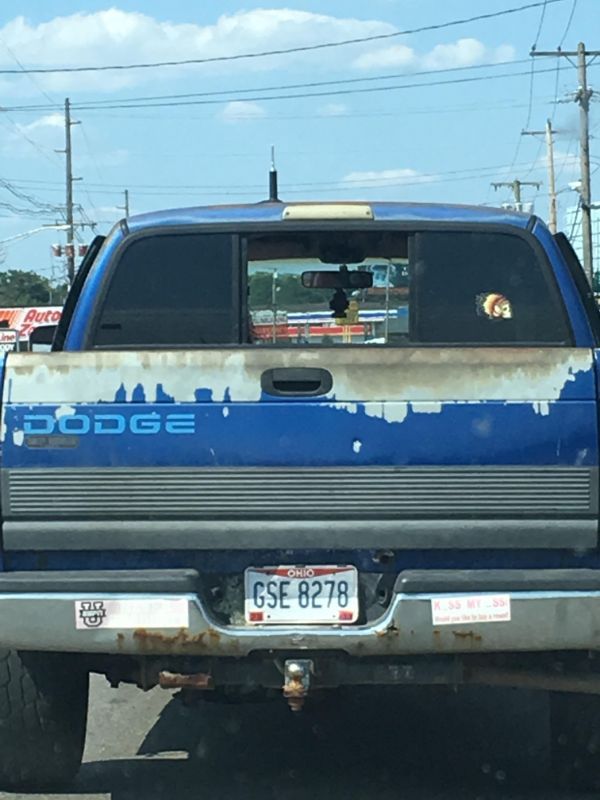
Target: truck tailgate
(409,447)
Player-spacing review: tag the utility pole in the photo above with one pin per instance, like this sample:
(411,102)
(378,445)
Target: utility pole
(549,134)
(516,188)
(125,207)
(70,249)
(274,289)
(582,97)
(68,152)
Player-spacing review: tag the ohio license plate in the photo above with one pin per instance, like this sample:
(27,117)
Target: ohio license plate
(301,595)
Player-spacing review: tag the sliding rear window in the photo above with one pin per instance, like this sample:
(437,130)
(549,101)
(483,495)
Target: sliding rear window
(333,287)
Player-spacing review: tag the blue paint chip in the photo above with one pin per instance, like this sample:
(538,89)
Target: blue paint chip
(138,395)
(162,396)
(121,394)
(203,395)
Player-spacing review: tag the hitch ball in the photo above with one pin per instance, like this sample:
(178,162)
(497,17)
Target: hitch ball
(296,684)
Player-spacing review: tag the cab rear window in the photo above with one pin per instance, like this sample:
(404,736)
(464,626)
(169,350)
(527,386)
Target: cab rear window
(328,287)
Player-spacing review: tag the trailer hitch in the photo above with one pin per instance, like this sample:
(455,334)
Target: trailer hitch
(297,673)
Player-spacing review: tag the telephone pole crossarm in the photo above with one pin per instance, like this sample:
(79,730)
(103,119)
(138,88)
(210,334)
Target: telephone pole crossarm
(516,188)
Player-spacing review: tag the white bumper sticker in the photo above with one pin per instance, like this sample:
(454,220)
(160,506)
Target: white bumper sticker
(139,613)
(469,609)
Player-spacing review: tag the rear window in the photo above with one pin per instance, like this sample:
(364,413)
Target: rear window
(332,288)
(173,290)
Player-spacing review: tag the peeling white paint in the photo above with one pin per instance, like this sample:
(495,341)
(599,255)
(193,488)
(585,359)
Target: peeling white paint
(64,411)
(351,408)
(357,445)
(432,407)
(541,408)
(18,438)
(394,376)
(581,457)
(225,411)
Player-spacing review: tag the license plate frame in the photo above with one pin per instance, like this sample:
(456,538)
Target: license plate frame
(277,602)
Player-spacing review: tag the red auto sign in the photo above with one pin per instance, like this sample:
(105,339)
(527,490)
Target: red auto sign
(25,320)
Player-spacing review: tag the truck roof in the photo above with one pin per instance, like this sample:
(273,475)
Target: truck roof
(266,212)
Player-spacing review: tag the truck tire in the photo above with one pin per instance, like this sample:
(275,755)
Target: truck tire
(43,712)
(575,741)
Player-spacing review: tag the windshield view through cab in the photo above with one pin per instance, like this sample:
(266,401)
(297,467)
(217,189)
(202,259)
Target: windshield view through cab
(320,289)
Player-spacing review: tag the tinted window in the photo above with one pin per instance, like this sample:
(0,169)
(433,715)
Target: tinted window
(172,290)
(488,288)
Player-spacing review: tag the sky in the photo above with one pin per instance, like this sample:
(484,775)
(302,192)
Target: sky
(432,116)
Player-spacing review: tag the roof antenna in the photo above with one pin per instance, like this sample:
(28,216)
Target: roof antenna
(273,195)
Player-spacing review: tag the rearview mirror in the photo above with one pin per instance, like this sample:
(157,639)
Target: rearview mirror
(337,280)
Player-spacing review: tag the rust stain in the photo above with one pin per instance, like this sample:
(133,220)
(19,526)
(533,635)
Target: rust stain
(467,635)
(392,629)
(177,680)
(155,640)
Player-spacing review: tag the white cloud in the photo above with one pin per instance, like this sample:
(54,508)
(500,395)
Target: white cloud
(387,177)
(462,53)
(334,110)
(117,36)
(242,110)
(397,55)
(47,121)
(44,135)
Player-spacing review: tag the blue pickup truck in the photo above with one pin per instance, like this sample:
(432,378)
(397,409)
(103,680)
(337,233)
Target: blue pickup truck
(203,488)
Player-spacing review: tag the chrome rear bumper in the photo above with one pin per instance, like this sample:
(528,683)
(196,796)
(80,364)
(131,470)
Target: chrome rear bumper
(158,612)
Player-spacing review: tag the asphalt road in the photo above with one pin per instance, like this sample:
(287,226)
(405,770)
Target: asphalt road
(413,745)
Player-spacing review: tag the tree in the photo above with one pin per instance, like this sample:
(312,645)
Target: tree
(24,288)
(290,292)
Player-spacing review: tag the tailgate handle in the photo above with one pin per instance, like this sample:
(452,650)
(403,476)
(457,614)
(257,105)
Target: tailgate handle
(304,381)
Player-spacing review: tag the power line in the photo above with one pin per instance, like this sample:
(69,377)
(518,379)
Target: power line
(24,71)
(372,113)
(568,25)
(162,186)
(82,105)
(28,198)
(287,50)
(4,116)
(531,83)
(456,109)
(303,95)
(582,97)
(556,87)
(541,24)
(232,93)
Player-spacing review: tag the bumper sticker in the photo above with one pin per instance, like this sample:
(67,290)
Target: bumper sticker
(135,613)
(469,609)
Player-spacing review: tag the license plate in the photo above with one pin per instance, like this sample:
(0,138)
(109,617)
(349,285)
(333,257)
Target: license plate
(301,595)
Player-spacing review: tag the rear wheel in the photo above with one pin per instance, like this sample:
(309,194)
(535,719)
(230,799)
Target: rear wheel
(575,732)
(43,711)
